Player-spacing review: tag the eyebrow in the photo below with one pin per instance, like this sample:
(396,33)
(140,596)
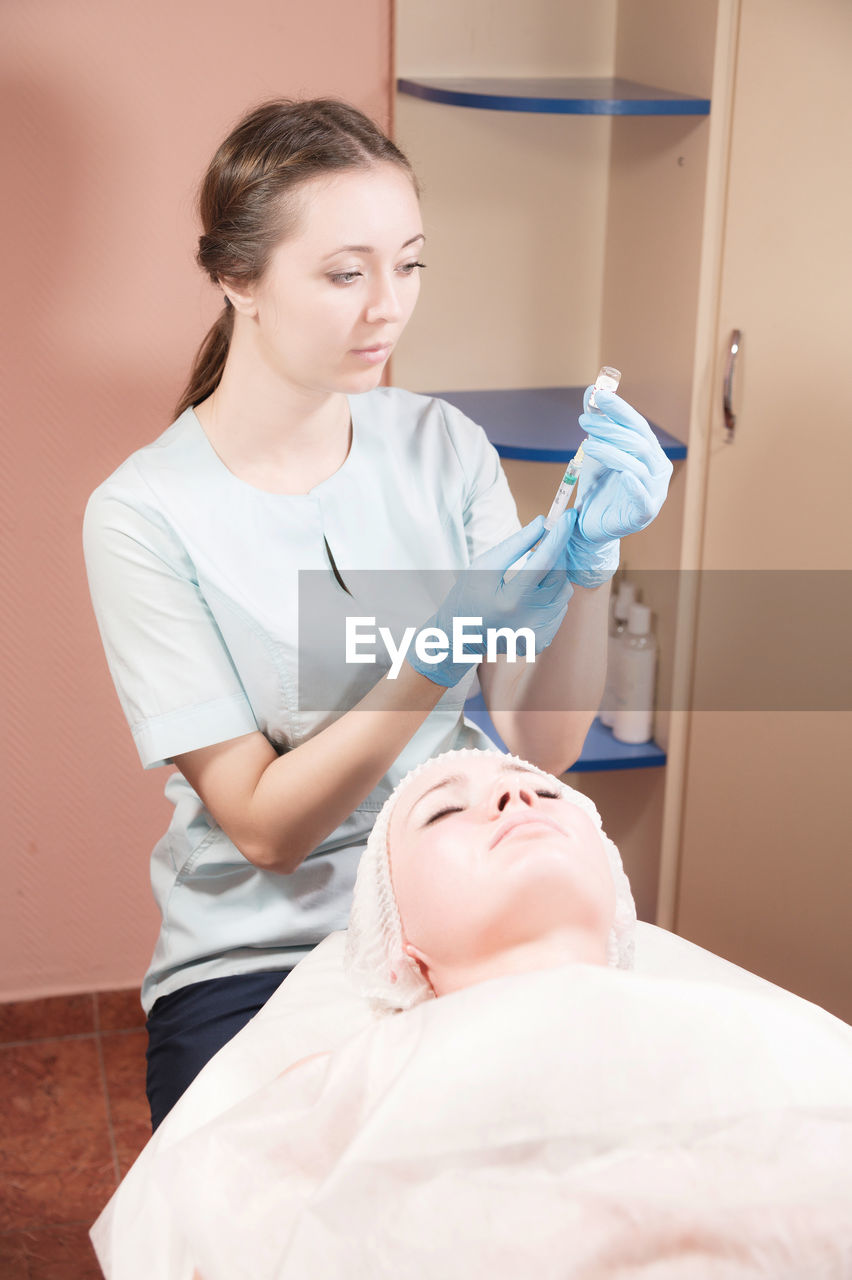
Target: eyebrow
(367,248)
(509,767)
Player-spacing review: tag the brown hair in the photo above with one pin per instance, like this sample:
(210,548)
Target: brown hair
(246,201)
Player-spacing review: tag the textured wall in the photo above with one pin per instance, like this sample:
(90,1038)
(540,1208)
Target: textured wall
(109,114)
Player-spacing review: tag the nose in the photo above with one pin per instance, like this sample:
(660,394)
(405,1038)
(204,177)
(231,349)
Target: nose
(510,791)
(383,303)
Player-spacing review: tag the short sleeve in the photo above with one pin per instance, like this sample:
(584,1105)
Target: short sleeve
(171,668)
(490,513)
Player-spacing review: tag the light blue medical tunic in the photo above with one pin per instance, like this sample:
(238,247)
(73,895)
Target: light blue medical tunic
(195,580)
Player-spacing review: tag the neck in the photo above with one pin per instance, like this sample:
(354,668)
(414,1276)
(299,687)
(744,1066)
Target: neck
(269,432)
(572,946)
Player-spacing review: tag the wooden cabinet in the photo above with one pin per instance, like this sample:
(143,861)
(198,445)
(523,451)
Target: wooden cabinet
(764,850)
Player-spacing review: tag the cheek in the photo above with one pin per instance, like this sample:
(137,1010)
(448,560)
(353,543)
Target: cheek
(434,889)
(414,294)
(607,889)
(597,867)
(582,867)
(294,306)
(331,319)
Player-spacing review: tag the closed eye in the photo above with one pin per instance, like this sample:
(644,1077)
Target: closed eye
(547,795)
(442,813)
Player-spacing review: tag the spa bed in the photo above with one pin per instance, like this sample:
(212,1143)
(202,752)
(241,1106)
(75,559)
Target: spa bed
(138,1235)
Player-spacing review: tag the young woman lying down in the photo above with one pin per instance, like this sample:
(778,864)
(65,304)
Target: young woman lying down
(521,1103)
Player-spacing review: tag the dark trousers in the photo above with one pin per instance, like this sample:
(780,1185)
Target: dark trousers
(186,1028)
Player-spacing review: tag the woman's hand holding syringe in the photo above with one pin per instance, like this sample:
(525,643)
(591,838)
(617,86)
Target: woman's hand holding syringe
(618,480)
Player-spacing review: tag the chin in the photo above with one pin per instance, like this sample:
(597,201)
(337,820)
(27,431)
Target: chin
(369,378)
(357,373)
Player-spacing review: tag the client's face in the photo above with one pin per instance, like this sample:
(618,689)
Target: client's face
(486,855)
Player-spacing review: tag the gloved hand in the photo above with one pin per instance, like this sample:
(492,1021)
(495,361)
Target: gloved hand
(536,596)
(623,484)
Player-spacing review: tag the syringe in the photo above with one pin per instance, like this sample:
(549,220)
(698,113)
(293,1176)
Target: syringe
(565,490)
(607,380)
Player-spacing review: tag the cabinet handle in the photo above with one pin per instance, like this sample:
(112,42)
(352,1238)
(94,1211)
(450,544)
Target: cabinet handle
(728,385)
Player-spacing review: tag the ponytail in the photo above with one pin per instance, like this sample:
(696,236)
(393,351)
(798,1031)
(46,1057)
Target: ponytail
(209,361)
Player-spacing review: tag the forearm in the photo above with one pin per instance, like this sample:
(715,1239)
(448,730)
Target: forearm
(543,709)
(304,795)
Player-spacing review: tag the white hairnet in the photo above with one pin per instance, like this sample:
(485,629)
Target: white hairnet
(375,957)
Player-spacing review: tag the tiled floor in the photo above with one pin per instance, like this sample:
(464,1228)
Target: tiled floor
(74,1118)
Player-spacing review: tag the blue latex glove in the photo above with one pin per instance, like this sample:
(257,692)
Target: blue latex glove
(623,484)
(536,596)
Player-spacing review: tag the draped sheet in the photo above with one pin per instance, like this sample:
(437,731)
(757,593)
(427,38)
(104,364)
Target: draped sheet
(575,1122)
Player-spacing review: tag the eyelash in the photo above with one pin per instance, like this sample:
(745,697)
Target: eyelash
(442,813)
(344,278)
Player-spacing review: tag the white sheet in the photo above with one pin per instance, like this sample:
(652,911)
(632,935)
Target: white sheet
(709,1073)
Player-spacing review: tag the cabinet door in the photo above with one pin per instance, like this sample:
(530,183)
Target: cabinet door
(766,853)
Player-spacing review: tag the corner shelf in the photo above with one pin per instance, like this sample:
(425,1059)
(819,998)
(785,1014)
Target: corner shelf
(601,751)
(537,424)
(561,95)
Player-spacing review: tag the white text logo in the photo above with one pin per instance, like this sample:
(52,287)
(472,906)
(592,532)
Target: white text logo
(432,645)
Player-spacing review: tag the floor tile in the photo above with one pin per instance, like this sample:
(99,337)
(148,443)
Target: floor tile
(43,1019)
(124,1066)
(56,1160)
(49,1253)
(119,1010)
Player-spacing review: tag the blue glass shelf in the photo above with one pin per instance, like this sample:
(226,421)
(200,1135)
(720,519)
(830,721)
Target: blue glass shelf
(537,424)
(562,95)
(601,751)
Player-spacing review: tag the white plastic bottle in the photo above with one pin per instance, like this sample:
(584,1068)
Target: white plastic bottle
(624,598)
(637,671)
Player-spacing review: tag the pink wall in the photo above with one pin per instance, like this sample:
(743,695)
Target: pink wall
(109,114)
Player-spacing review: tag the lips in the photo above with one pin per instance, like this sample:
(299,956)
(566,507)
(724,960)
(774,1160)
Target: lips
(523,820)
(379,351)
